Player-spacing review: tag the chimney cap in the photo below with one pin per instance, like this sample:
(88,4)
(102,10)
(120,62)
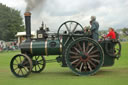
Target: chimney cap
(27,14)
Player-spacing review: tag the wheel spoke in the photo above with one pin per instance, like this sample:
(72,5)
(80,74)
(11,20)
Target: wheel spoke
(28,67)
(79,46)
(81,67)
(78,64)
(38,66)
(89,44)
(16,61)
(71,52)
(70,26)
(89,66)
(20,59)
(25,69)
(117,49)
(91,63)
(94,56)
(15,64)
(74,57)
(84,47)
(95,60)
(67,28)
(73,39)
(66,41)
(22,72)
(37,57)
(35,68)
(24,63)
(16,68)
(93,52)
(40,61)
(76,49)
(74,28)
(75,61)
(90,49)
(85,66)
(19,71)
(87,47)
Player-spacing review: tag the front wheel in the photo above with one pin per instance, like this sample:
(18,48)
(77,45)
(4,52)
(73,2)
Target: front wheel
(84,56)
(21,65)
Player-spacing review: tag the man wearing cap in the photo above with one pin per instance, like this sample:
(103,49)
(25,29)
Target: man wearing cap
(94,28)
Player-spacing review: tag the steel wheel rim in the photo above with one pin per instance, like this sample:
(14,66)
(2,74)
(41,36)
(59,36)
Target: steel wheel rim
(82,68)
(38,64)
(21,67)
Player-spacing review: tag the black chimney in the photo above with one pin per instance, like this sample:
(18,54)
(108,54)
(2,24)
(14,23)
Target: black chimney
(28,25)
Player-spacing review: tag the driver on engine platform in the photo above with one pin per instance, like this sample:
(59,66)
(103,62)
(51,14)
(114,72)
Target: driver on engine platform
(94,28)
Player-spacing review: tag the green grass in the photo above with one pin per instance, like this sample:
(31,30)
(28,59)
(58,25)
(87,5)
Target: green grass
(54,74)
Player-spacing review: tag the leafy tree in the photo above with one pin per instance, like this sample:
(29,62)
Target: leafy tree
(11,22)
(125,31)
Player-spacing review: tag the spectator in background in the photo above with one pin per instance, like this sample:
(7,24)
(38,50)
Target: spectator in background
(0,48)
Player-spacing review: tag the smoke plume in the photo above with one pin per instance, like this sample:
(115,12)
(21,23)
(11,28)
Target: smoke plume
(32,4)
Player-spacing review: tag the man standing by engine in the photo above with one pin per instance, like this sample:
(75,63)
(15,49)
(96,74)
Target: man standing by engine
(94,28)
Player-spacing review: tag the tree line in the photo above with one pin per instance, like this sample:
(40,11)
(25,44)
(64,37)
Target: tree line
(11,22)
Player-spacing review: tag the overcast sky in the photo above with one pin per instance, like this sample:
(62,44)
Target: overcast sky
(109,13)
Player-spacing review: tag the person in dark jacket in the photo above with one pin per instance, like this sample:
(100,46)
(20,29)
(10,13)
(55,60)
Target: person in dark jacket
(94,28)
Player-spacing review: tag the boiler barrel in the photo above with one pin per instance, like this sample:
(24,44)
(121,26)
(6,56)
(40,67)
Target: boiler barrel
(45,47)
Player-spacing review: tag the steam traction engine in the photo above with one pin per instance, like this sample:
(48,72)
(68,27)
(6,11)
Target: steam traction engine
(74,47)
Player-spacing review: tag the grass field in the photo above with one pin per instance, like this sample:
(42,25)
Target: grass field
(54,74)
